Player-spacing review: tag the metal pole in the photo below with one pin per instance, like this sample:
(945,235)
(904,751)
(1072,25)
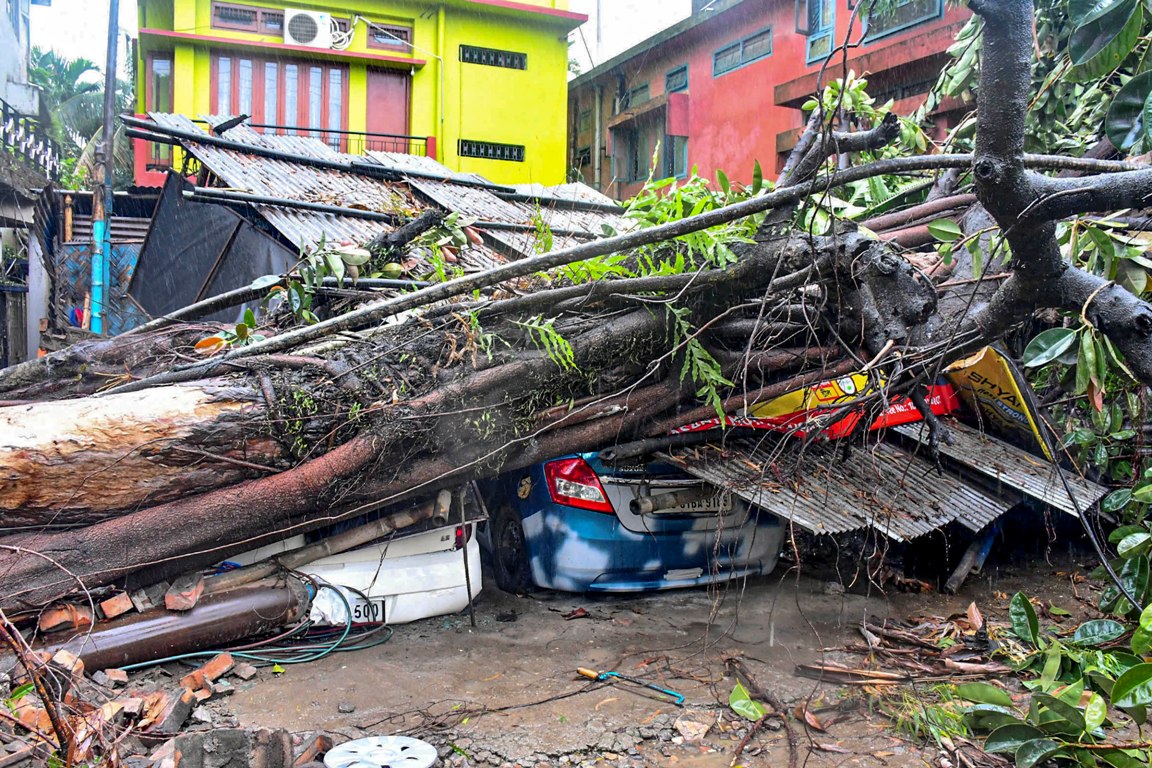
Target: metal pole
(105,169)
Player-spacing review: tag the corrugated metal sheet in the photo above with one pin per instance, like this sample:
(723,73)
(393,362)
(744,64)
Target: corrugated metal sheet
(824,490)
(397,161)
(295,181)
(574,192)
(1001,465)
(292,181)
(486,206)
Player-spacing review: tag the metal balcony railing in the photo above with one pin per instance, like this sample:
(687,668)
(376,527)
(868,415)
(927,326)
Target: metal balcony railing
(27,139)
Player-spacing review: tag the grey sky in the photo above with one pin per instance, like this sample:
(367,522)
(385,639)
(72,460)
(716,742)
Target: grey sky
(624,23)
(76,28)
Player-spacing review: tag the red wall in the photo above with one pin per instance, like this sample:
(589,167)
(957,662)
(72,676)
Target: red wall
(737,117)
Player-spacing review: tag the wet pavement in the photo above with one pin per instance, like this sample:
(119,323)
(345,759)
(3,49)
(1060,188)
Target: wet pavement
(506,692)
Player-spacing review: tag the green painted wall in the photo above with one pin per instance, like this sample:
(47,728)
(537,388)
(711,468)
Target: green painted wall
(450,100)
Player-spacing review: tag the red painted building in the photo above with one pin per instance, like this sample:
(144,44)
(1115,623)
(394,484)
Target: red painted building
(724,87)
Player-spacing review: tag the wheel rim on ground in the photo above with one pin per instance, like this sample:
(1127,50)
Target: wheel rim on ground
(382,752)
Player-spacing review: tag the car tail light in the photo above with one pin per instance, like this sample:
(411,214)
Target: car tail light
(463,536)
(572,482)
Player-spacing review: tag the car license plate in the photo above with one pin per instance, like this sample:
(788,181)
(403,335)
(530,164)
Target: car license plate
(721,502)
(371,612)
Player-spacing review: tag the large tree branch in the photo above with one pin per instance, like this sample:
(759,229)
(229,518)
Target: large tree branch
(836,142)
(1063,197)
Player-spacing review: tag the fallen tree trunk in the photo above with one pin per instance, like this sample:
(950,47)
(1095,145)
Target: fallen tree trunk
(74,462)
(356,412)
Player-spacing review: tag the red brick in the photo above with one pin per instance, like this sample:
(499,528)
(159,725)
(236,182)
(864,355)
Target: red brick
(116,605)
(184,593)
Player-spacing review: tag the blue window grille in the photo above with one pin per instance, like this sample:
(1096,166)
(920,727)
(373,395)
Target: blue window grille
(905,14)
(756,46)
(816,20)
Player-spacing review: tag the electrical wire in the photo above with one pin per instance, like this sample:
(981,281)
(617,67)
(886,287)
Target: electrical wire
(340,39)
(312,648)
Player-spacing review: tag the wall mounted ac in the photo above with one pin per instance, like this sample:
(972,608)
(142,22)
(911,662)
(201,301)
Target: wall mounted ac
(312,29)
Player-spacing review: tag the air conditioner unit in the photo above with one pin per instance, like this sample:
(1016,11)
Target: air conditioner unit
(312,29)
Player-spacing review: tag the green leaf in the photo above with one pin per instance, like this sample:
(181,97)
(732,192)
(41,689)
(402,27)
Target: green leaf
(1134,687)
(1098,632)
(1053,660)
(1146,618)
(1134,544)
(1119,759)
(1133,276)
(250,318)
(1133,575)
(20,692)
(1143,493)
(1117,500)
(743,705)
(984,693)
(1062,709)
(241,331)
(1008,738)
(296,296)
(722,177)
(266,281)
(1118,535)
(335,266)
(1095,712)
(1100,43)
(1025,625)
(1032,752)
(1084,11)
(1139,714)
(355,257)
(1141,641)
(946,230)
(1125,121)
(1085,363)
(757,178)
(1047,346)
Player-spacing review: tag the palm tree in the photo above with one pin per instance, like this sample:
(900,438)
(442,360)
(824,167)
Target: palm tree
(74,102)
(75,107)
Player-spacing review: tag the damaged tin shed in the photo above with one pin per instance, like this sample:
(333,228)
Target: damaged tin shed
(261,201)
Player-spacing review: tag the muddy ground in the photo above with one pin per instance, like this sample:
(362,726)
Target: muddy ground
(505,692)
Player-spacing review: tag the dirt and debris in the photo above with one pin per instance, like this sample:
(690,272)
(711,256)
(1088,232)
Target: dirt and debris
(821,663)
(508,694)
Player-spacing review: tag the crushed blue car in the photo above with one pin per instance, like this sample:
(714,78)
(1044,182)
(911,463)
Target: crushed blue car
(578,524)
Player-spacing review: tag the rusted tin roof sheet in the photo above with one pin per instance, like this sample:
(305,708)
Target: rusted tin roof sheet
(292,181)
(893,488)
(1004,468)
(822,490)
(458,192)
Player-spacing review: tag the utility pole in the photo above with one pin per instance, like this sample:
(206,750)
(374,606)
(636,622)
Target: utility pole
(102,183)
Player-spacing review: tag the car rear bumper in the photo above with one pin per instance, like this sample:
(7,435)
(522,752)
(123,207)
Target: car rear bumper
(575,551)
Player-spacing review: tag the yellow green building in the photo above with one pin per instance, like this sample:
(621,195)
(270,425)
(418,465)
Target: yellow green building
(479,85)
